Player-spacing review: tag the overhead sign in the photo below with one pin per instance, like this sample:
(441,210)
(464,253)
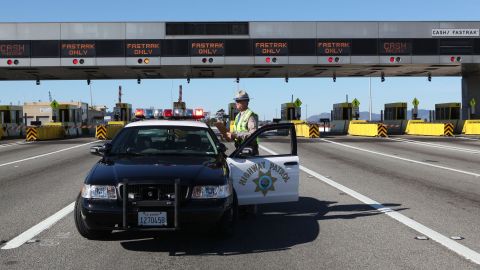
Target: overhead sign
(355,103)
(395,47)
(298,102)
(333,47)
(78,48)
(473,102)
(415,102)
(207,48)
(54,104)
(271,47)
(14,49)
(142,48)
(455,32)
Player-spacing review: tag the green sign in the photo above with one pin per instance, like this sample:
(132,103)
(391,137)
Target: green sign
(355,103)
(415,102)
(298,102)
(54,104)
(473,103)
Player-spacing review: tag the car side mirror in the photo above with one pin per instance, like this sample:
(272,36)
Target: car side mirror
(101,150)
(222,148)
(246,152)
(95,150)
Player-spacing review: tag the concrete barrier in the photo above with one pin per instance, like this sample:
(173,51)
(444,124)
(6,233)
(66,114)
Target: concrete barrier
(419,127)
(395,127)
(48,132)
(109,131)
(457,124)
(471,127)
(339,127)
(363,128)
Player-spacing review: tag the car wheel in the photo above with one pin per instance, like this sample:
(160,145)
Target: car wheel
(226,225)
(82,227)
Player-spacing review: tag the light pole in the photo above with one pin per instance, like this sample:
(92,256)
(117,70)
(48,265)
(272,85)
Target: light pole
(370,101)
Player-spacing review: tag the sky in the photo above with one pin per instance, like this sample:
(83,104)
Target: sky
(317,94)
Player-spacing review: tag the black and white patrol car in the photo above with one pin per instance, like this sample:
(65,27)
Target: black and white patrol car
(164,175)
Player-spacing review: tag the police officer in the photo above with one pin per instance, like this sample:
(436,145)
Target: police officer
(246,122)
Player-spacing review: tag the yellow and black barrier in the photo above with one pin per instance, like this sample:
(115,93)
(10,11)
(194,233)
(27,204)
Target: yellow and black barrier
(304,129)
(107,132)
(366,129)
(101,132)
(419,127)
(471,127)
(32,134)
(47,132)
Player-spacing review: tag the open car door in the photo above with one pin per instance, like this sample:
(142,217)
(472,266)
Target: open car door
(273,175)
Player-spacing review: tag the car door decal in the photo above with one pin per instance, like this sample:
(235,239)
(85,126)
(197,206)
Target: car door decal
(264,174)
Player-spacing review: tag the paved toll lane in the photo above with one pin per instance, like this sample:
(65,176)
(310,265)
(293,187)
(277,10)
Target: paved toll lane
(445,201)
(325,229)
(36,188)
(448,142)
(31,149)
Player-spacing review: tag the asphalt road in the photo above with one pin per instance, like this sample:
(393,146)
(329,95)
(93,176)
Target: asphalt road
(432,181)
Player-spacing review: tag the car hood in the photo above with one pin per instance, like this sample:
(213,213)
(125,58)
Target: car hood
(198,170)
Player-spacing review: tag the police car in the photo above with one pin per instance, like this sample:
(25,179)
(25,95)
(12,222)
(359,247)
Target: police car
(166,175)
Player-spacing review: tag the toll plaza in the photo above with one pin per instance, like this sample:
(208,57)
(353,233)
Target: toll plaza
(11,121)
(449,113)
(290,112)
(395,117)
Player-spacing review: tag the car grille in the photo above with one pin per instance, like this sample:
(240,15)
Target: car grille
(152,192)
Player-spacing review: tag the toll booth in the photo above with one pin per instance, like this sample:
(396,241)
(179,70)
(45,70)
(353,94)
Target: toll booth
(395,111)
(289,112)
(448,111)
(122,112)
(11,121)
(342,111)
(11,114)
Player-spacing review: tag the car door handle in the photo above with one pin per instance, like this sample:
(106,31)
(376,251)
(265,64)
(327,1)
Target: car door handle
(292,163)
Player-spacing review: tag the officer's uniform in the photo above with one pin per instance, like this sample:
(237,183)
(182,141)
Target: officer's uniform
(246,124)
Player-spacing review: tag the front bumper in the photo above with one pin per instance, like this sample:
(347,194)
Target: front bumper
(108,215)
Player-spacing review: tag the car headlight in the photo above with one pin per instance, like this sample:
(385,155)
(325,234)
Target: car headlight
(99,192)
(212,192)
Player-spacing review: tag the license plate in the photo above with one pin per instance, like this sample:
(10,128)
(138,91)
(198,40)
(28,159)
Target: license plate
(152,218)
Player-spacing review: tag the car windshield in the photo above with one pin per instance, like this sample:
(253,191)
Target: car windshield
(164,140)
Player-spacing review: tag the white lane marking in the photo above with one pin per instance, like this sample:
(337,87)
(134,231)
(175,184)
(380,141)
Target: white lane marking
(404,159)
(14,144)
(46,154)
(461,250)
(447,147)
(466,138)
(40,227)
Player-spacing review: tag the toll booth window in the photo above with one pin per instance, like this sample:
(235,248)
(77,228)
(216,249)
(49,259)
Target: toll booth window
(45,48)
(302,47)
(175,47)
(238,47)
(110,48)
(455,113)
(425,46)
(456,46)
(364,47)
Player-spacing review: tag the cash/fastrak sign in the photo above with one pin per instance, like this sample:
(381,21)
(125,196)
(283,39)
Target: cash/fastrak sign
(455,32)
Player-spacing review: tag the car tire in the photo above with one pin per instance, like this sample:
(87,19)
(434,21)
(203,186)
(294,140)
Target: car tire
(82,227)
(225,227)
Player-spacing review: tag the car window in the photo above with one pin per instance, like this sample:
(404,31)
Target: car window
(158,140)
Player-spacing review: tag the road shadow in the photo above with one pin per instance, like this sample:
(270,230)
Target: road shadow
(276,227)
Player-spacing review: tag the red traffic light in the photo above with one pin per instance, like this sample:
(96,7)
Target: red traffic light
(9,62)
(75,61)
(392,59)
(267,59)
(204,60)
(330,59)
(452,59)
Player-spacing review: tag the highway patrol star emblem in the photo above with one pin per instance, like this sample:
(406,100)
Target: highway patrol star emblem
(265,182)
